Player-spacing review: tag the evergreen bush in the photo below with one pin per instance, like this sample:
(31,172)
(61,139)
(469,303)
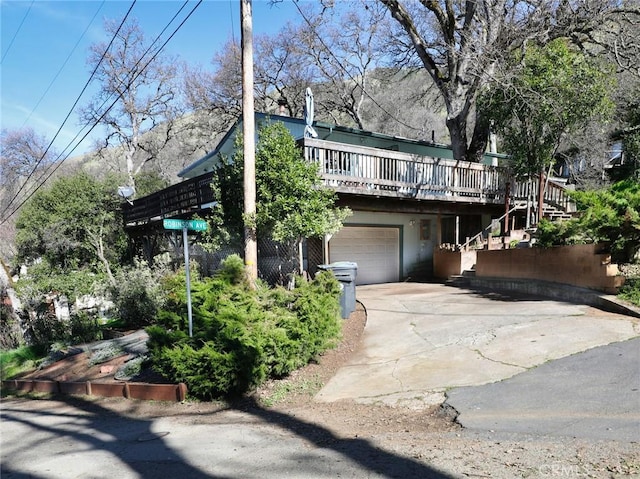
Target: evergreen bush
(242,336)
(630,291)
(610,216)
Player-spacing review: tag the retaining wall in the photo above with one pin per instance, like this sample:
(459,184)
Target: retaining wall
(583,266)
(450,263)
(155,392)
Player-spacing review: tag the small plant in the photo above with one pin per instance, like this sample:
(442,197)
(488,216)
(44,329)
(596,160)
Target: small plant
(57,351)
(104,354)
(138,294)
(286,388)
(10,333)
(84,328)
(630,291)
(130,369)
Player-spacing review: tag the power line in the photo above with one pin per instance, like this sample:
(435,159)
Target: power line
(17,31)
(97,121)
(134,73)
(233,33)
(64,63)
(351,77)
(65,119)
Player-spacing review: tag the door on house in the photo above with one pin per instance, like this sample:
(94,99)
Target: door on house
(375,249)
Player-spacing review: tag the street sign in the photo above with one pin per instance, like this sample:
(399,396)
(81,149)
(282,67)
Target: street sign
(193,225)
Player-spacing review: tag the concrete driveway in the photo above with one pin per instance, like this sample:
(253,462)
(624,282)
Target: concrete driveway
(422,340)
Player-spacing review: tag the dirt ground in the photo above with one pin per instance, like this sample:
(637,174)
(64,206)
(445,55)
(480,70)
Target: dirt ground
(430,435)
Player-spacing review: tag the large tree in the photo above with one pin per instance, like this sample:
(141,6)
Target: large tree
(143,84)
(547,92)
(340,47)
(73,224)
(331,50)
(460,44)
(587,150)
(23,159)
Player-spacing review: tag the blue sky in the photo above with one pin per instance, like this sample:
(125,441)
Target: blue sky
(37,37)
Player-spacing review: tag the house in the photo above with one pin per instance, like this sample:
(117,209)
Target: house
(408,197)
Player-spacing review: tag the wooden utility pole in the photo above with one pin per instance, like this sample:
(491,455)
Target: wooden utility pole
(248,135)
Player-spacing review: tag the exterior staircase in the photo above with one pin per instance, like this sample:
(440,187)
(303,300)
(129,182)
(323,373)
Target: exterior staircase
(554,214)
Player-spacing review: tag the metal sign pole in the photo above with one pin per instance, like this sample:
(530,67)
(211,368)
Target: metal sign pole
(185,241)
(184,225)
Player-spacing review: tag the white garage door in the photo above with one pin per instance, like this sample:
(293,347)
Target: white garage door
(376,250)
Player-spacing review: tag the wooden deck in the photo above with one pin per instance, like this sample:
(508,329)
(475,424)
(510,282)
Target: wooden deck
(177,201)
(375,172)
(365,171)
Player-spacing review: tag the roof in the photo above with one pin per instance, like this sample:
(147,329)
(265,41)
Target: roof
(326,131)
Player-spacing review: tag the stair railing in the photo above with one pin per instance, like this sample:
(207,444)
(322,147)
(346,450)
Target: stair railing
(465,246)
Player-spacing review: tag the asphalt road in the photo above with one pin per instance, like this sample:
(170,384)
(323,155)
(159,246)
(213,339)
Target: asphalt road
(594,394)
(82,439)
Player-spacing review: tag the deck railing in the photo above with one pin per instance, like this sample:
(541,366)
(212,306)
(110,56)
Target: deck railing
(372,171)
(180,199)
(554,194)
(366,171)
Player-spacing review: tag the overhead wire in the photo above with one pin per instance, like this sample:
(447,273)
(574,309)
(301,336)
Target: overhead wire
(97,121)
(16,32)
(55,77)
(41,159)
(233,31)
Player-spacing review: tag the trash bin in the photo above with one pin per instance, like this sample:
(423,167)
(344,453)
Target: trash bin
(345,272)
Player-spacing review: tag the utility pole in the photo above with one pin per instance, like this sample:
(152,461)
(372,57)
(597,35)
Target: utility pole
(248,135)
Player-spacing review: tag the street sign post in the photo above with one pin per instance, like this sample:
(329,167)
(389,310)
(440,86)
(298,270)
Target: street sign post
(186,225)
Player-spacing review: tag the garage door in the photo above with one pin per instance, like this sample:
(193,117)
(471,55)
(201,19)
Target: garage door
(376,250)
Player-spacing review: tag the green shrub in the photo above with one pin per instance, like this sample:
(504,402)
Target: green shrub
(630,291)
(10,333)
(84,328)
(243,336)
(43,278)
(138,294)
(45,329)
(559,233)
(610,216)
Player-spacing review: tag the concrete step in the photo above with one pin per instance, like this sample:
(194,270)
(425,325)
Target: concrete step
(457,281)
(461,280)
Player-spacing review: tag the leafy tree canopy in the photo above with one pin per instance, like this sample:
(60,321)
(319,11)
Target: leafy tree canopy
(547,92)
(291,202)
(610,215)
(73,224)
(630,136)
